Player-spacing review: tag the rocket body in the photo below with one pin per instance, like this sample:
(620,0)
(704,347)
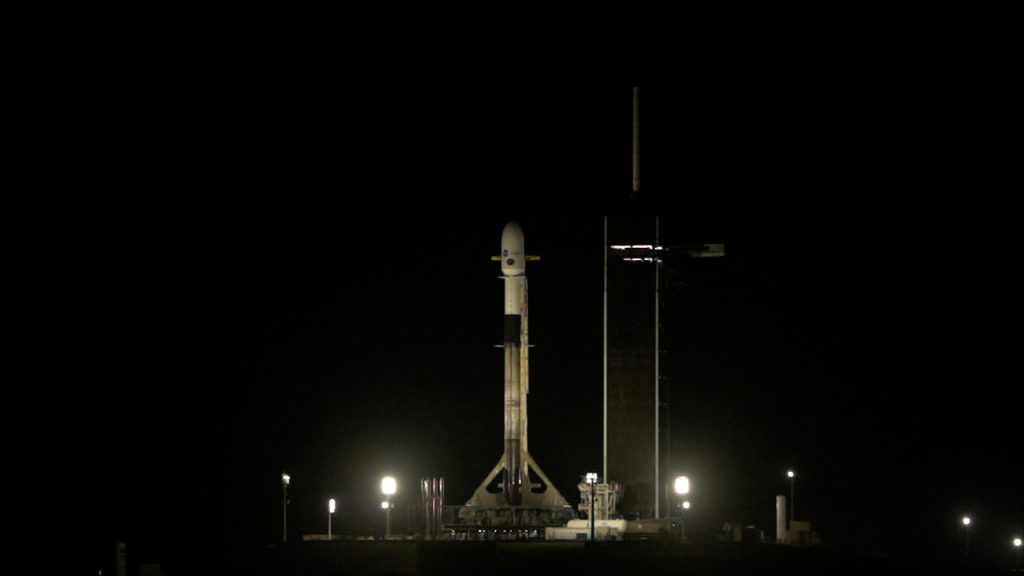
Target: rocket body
(517,468)
(513,268)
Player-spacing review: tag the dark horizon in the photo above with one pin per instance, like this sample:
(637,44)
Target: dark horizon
(231,263)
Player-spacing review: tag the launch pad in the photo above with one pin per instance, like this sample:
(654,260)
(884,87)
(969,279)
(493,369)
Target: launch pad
(541,504)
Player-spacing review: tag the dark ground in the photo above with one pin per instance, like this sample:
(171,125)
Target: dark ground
(570,558)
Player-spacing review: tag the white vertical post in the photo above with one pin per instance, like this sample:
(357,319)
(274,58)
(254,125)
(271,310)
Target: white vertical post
(285,481)
(792,499)
(604,470)
(636,139)
(330,513)
(780,518)
(657,372)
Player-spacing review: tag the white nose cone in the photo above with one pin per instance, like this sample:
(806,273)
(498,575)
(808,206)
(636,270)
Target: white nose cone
(513,250)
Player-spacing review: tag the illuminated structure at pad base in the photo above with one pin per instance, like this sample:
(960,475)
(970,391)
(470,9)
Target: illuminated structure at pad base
(516,493)
(599,517)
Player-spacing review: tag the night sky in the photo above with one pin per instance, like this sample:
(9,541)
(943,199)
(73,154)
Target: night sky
(245,246)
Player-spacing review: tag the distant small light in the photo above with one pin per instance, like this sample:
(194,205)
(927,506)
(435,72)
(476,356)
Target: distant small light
(330,505)
(966,520)
(591,477)
(285,479)
(682,485)
(385,505)
(790,473)
(1017,542)
(686,504)
(388,485)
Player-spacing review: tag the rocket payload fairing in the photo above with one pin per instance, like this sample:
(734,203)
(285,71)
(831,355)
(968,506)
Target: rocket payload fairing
(517,487)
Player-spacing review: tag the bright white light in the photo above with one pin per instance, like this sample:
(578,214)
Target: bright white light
(591,477)
(790,473)
(285,479)
(686,504)
(966,520)
(632,247)
(388,486)
(385,505)
(682,485)
(1017,542)
(330,505)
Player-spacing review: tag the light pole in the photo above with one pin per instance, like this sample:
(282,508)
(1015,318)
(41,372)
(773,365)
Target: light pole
(1017,552)
(792,480)
(966,520)
(388,487)
(285,481)
(330,512)
(386,507)
(682,488)
(592,480)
